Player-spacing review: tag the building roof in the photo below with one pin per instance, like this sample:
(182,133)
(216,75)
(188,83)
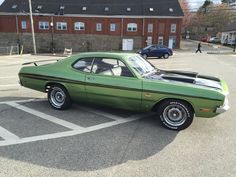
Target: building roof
(96,7)
(230,27)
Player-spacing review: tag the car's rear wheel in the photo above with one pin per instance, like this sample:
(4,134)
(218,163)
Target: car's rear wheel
(59,97)
(175,114)
(166,55)
(144,56)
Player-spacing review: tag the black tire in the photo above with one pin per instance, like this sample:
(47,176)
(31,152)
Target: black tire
(175,114)
(58,97)
(144,56)
(166,55)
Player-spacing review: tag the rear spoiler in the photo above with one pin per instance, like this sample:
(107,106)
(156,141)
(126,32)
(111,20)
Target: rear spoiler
(39,61)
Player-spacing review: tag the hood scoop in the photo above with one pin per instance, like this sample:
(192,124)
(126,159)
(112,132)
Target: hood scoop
(183,73)
(179,78)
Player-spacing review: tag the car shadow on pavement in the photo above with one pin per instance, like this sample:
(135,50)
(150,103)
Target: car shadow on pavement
(103,148)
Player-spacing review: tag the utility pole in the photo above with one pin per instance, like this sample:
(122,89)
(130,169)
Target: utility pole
(32,27)
(234,44)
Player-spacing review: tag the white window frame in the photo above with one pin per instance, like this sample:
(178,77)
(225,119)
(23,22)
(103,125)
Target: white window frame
(43,25)
(79,26)
(23,24)
(173,28)
(150,28)
(112,27)
(61,25)
(98,26)
(132,27)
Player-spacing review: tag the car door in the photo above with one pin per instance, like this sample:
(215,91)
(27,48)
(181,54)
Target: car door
(159,51)
(77,87)
(111,83)
(152,51)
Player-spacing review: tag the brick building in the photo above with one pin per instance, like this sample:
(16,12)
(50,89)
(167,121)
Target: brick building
(90,25)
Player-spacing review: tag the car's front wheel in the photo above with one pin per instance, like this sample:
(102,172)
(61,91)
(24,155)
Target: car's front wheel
(59,97)
(175,114)
(166,55)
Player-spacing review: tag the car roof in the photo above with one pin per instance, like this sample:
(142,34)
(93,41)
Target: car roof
(123,55)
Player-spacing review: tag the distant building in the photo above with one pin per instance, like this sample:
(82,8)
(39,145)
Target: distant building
(91,25)
(228,35)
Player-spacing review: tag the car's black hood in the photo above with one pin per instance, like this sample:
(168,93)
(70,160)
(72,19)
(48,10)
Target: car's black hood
(187,77)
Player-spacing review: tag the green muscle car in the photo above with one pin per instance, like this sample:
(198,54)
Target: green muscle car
(127,81)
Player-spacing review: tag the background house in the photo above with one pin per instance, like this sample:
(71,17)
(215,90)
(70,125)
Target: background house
(228,35)
(91,25)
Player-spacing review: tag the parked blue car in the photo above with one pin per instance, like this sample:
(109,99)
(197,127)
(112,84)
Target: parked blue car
(156,51)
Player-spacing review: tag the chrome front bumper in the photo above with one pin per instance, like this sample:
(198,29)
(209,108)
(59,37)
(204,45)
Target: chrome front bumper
(224,107)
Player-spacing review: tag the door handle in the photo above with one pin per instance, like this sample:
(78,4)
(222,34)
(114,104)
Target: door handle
(90,78)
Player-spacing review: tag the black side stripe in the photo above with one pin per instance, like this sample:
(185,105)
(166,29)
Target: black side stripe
(58,79)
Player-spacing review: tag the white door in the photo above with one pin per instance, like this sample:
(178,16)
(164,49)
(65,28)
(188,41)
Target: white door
(127,44)
(149,40)
(170,44)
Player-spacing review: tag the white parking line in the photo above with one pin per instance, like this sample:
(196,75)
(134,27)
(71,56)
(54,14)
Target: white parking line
(46,117)
(8,77)
(68,133)
(10,85)
(5,134)
(21,101)
(11,139)
(105,114)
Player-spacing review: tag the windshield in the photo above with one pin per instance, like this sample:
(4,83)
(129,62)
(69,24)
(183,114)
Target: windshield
(140,65)
(147,47)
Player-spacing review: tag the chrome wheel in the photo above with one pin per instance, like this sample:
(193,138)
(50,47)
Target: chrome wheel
(166,55)
(57,97)
(174,115)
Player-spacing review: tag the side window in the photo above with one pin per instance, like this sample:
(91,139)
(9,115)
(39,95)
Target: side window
(110,66)
(84,65)
(152,48)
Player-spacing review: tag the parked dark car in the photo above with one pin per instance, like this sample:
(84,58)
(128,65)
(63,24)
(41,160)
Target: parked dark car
(156,51)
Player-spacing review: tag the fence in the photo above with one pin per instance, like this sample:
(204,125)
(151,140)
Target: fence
(9,50)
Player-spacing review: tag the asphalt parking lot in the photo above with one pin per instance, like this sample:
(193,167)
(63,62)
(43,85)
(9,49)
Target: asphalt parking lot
(36,140)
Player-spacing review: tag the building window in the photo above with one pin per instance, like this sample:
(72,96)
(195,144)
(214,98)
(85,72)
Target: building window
(132,27)
(98,27)
(44,25)
(112,27)
(173,28)
(61,26)
(160,40)
(23,24)
(79,26)
(151,9)
(14,6)
(150,28)
(128,9)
